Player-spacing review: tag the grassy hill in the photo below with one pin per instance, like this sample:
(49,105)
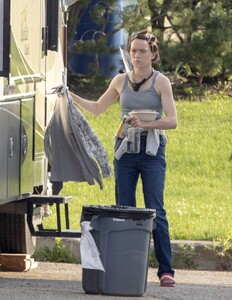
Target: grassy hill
(198,193)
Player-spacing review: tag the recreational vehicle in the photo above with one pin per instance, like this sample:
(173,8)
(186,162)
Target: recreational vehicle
(32,62)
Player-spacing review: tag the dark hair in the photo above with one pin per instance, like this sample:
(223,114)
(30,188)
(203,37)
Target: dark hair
(150,38)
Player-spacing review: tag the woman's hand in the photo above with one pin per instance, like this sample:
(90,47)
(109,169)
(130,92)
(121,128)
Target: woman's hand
(134,121)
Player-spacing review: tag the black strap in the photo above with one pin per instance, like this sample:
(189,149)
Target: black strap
(136,85)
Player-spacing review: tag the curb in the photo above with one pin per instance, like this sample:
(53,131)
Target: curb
(192,255)
(200,255)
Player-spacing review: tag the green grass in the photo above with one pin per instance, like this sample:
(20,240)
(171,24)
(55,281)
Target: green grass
(199,179)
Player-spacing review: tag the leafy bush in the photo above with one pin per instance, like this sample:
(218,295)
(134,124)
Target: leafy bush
(59,253)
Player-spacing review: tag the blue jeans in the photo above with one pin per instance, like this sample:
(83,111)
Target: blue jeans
(152,171)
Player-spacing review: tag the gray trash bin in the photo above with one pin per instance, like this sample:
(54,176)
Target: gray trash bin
(122,236)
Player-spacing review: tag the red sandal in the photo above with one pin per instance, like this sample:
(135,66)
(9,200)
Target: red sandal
(167,280)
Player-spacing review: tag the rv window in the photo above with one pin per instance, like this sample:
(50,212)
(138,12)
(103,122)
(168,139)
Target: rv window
(4,37)
(52,24)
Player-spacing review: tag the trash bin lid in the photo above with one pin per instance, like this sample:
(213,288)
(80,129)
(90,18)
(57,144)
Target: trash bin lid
(118,211)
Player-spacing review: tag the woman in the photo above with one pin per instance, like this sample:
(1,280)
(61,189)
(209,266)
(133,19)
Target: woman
(143,88)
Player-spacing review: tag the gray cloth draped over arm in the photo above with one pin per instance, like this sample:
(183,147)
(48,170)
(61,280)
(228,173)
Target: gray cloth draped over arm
(73,149)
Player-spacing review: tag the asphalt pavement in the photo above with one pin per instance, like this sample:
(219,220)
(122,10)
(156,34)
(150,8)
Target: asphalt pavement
(64,281)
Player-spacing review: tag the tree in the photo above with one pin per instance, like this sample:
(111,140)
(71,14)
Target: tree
(94,41)
(196,36)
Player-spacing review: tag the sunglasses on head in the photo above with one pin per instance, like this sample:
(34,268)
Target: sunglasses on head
(143,34)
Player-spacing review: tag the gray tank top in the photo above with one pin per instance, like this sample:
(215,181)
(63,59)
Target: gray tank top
(145,99)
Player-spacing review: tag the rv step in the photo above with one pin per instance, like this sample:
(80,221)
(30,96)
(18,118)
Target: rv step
(56,233)
(43,200)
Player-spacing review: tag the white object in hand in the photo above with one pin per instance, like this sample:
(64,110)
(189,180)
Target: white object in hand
(145,115)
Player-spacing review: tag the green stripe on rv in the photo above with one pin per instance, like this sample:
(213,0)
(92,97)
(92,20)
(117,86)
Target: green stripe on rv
(20,69)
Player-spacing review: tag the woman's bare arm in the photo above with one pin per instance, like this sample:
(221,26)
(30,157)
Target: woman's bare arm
(104,102)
